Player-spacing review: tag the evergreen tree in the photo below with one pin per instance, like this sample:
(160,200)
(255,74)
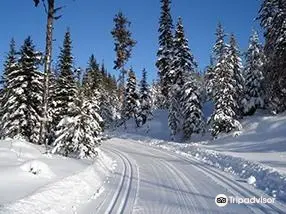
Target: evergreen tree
(123,47)
(253,89)
(165,52)
(80,133)
(66,87)
(236,65)
(10,66)
(208,79)
(131,98)
(145,98)
(94,75)
(158,99)
(183,66)
(97,82)
(25,89)
(108,108)
(191,107)
(223,118)
(183,62)
(272,16)
(174,116)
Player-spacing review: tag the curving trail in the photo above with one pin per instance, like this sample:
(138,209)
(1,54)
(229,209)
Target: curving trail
(148,180)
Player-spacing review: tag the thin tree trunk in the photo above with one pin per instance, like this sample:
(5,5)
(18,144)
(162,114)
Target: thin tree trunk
(47,71)
(123,96)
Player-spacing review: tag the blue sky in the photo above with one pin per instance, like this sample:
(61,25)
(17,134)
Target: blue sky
(91,22)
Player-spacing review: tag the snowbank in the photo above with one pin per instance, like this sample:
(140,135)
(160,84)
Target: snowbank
(34,182)
(65,195)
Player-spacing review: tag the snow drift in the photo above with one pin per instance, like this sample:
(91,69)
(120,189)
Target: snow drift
(32,182)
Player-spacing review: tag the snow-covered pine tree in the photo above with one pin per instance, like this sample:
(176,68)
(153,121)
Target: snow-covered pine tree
(223,118)
(145,98)
(236,65)
(209,78)
(25,90)
(131,102)
(10,66)
(253,72)
(174,114)
(273,19)
(165,52)
(193,121)
(66,87)
(94,76)
(157,97)
(109,110)
(185,86)
(183,62)
(79,134)
(29,62)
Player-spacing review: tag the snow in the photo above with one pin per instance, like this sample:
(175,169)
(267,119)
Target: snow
(187,176)
(38,168)
(152,180)
(157,127)
(258,150)
(34,182)
(251,180)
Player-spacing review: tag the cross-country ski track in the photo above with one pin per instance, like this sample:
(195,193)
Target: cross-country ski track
(149,180)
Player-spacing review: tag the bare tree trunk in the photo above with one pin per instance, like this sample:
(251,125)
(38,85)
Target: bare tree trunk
(47,71)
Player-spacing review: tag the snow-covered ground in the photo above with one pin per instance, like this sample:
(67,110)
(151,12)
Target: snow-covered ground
(140,170)
(33,182)
(152,180)
(263,140)
(257,152)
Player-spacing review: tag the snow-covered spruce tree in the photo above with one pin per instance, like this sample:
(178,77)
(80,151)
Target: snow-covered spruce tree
(253,89)
(193,121)
(209,78)
(145,98)
(185,88)
(223,118)
(183,62)
(79,134)
(236,65)
(10,66)
(109,110)
(131,102)
(174,116)
(273,19)
(66,87)
(110,104)
(93,75)
(157,97)
(165,52)
(25,89)
(97,81)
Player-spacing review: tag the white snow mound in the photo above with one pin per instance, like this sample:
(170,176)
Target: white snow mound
(251,180)
(37,168)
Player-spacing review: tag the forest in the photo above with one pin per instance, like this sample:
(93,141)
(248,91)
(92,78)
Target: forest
(68,109)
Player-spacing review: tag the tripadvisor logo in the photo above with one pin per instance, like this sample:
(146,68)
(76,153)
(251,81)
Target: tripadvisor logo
(221,200)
